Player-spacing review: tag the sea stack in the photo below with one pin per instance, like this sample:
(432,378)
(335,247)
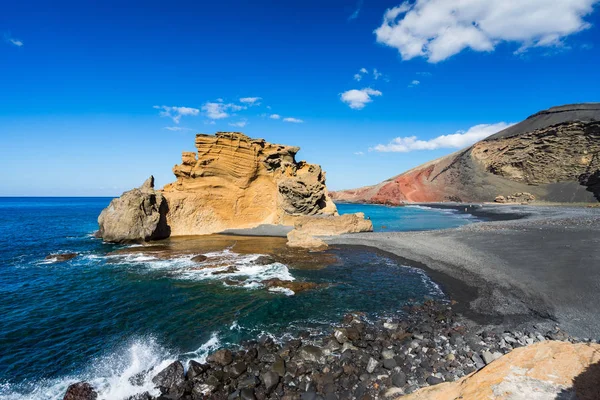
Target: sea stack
(234,182)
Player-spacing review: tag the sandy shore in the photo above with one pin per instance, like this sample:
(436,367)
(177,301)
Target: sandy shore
(543,268)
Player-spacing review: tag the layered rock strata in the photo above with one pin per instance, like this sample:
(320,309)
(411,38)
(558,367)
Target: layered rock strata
(230,182)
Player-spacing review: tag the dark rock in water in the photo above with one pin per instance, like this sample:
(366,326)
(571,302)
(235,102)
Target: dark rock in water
(195,369)
(264,260)
(200,258)
(295,286)
(80,391)
(139,378)
(222,357)
(270,380)
(141,396)
(138,215)
(171,378)
(61,257)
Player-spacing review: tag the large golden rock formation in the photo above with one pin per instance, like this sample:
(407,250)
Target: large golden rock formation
(235,182)
(546,370)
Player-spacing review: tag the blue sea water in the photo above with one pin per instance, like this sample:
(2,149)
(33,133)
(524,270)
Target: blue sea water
(103,317)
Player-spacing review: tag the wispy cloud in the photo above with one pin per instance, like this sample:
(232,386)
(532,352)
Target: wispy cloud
(357,77)
(293,120)
(357,99)
(175,113)
(359,153)
(176,128)
(376,74)
(251,101)
(456,140)
(220,110)
(414,83)
(239,124)
(354,15)
(12,41)
(274,116)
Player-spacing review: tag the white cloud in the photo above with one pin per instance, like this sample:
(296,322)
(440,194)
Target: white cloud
(456,140)
(363,71)
(376,74)
(294,120)
(439,29)
(175,113)
(15,42)
(220,110)
(357,99)
(209,122)
(239,124)
(357,77)
(359,153)
(414,83)
(176,128)
(274,116)
(251,101)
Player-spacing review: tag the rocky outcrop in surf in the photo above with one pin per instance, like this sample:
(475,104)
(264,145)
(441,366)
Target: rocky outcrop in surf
(138,215)
(230,182)
(554,155)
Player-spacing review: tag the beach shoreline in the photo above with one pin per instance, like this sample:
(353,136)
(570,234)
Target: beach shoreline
(536,269)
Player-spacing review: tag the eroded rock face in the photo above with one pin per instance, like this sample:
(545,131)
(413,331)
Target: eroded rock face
(81,391)
(138,215)
(233,181)
(546,370)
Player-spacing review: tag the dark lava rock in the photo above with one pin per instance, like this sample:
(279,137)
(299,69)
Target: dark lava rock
(389,363)
(141,396)
(248,382)
(310,353)
(170,378)
(270,380)
(237,369)
(264,260)
(200,258)
(279,367)
(222,357)
(61,257)
(247,394)
(434,380)
(80,391)
(399,379)
(195,369)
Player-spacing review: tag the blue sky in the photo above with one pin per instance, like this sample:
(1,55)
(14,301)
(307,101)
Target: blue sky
(80,82)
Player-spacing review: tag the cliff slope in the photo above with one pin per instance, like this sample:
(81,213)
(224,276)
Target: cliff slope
(554,155)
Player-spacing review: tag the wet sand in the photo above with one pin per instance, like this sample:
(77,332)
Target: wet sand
(543,268)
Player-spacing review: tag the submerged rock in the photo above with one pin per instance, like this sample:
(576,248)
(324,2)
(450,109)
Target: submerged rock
(138,215)
(61,257)
(222,357)
(295,286)
(81,391)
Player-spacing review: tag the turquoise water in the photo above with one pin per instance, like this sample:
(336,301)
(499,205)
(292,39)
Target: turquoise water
(408,218)
(104,317)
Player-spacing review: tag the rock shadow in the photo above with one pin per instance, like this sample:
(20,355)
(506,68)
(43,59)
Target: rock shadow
(586,386)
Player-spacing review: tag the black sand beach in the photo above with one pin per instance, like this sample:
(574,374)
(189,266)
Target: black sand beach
(543,268)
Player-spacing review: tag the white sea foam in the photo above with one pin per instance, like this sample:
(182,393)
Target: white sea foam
(286,291)
(219,266)
(110,374)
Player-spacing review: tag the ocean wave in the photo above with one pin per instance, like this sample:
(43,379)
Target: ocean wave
(114,376)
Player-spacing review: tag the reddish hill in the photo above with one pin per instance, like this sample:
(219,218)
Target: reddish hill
(554,155)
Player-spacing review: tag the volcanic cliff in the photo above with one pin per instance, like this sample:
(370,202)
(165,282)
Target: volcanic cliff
(553,155)
(231,182)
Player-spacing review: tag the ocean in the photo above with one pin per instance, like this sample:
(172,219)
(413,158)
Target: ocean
(114,310)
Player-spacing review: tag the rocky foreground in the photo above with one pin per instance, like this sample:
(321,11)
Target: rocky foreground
(426,346)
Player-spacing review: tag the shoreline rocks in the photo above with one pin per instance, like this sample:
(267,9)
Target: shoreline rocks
(426,345)
(60,257)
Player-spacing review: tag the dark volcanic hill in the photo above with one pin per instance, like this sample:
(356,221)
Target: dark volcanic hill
(554,155)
